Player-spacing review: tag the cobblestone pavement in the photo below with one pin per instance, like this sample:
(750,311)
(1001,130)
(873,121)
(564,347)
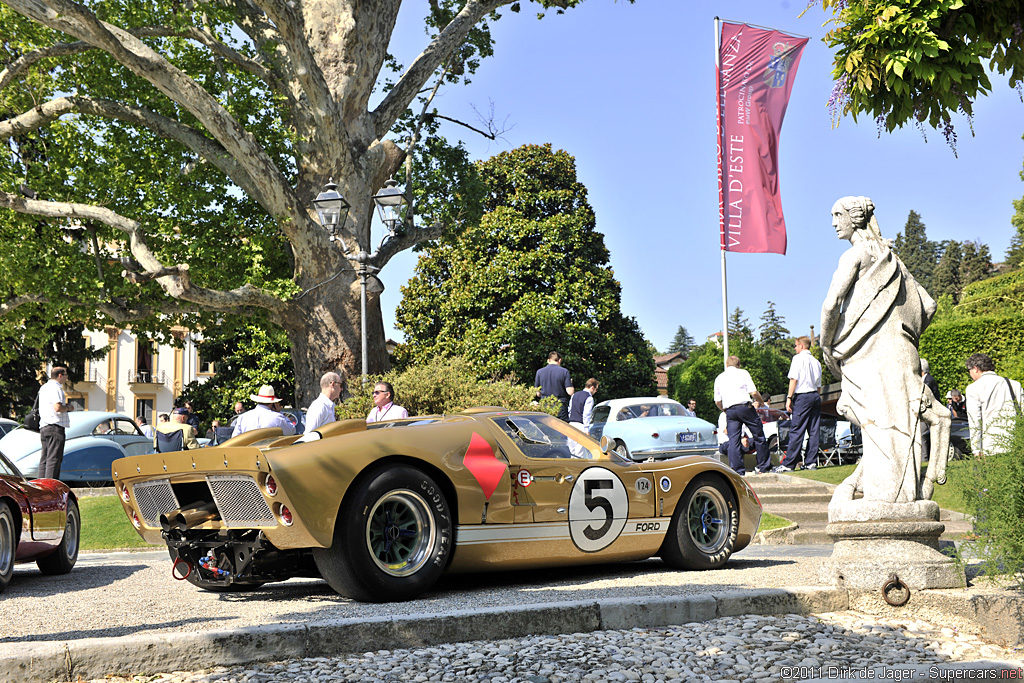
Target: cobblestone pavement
(835,646)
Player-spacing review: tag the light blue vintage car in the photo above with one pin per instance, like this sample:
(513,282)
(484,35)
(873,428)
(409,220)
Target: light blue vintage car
(655,427)
(93,441)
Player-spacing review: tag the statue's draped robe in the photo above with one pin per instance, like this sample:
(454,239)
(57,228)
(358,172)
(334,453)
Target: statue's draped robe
(877,333)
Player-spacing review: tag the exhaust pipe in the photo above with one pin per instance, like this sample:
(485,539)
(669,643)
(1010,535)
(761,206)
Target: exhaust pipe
(185,519)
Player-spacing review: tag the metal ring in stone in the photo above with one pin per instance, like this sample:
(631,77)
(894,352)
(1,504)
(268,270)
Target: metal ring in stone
(894,583)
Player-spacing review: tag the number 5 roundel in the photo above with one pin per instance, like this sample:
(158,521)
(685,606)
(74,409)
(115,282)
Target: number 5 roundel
(598,508)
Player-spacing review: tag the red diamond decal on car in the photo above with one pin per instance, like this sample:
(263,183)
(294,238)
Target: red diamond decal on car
(481,461)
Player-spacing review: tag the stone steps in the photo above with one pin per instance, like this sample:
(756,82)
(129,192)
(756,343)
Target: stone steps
(805,503)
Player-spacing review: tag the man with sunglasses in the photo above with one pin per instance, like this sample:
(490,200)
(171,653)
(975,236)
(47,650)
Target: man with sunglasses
(384,407)
(321,410)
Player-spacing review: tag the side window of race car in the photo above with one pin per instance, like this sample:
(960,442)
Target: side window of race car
(534,438)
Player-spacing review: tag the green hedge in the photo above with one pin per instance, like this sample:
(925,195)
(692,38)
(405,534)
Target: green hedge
(444,385)
(948,344)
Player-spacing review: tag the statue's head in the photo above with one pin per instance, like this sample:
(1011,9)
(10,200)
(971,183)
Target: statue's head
(850,214)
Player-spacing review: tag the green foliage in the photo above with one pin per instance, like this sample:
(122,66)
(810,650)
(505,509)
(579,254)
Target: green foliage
(249,356)
(976,264)
(917,252)
(27,351)
(739,327)
(994,496)
(773,329)
(695,378)
(682,342)
(947,345)
(920,61)
(946,276)
(445,385)
(530,278)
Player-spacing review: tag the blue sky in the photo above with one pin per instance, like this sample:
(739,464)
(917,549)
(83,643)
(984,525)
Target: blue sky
(629,91)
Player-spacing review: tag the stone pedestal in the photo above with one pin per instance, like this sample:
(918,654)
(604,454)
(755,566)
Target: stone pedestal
(874,541)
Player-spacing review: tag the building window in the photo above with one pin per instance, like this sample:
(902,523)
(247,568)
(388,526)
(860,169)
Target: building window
(144,407)
(204,366)
(79,402)
(145,361)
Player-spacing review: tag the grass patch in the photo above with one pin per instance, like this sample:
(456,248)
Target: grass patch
(105,526)
(770,521)
(948,496)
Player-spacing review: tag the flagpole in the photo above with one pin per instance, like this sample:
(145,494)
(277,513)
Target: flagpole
(718,117)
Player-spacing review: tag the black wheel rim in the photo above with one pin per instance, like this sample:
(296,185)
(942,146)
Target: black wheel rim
(708,520)
(6,543)
(400,533)
(71,531)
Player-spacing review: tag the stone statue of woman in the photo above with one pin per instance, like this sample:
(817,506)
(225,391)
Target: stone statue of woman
(871,322)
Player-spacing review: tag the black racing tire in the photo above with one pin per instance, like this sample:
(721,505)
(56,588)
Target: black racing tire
(62,560)
(622,449)
(393,537)
(8,545)
(703,531)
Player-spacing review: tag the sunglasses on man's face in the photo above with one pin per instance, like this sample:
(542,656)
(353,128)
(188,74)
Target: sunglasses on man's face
(379,392)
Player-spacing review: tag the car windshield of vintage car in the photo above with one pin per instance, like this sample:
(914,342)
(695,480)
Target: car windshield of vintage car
(543,436)
(650,410)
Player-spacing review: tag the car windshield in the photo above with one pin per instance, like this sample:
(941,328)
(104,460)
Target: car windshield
(8,468)
(650,410)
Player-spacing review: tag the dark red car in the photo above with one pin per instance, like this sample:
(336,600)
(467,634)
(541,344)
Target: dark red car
(39,522)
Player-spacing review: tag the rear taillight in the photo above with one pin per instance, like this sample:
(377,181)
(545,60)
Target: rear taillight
(135,520)
(285,514)
(271,486)
(125,496)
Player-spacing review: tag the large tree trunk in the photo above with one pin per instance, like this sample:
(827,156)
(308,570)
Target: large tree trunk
(324,331)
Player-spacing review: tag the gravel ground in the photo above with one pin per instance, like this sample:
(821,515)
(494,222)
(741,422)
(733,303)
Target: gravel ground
(133,593)
(841,645)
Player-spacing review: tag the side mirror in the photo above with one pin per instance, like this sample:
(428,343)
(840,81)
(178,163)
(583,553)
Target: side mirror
(606,444)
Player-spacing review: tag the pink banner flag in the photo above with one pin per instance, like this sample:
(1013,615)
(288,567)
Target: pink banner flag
(755,76)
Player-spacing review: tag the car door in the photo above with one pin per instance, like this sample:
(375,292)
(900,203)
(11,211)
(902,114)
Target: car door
(581,498)
(598,421)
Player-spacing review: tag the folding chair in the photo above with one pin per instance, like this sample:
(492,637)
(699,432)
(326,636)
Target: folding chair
(169,442)
(221,434)
(828,445)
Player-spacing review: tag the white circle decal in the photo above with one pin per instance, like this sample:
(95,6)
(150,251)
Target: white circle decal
(665,483)
(598,508)
(524,478)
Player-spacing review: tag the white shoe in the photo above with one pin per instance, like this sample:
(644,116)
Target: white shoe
(782,469)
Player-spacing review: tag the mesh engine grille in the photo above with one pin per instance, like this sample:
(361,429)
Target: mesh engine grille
(239,500)
(154,499)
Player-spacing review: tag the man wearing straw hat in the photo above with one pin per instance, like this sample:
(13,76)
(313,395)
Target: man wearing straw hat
(267,413)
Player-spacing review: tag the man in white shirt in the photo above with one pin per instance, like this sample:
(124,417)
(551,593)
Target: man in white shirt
(321,410)
(581,406)
(803,401)
(53,420)
(734,390)
(992,403)
(384,407)
(265,414)
(145,427)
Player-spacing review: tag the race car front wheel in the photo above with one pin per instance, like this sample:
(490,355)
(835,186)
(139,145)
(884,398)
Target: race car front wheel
(392,538)
(703,531)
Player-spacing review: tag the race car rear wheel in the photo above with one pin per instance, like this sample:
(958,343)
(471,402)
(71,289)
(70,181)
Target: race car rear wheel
(63,559)
(392,539)
(7,545)
(703,531)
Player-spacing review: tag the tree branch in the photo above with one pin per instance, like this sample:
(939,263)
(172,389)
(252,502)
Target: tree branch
(438,52)
(276,195)
(408,238)
(175,281)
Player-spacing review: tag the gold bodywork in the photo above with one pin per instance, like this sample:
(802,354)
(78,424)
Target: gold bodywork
(541,511)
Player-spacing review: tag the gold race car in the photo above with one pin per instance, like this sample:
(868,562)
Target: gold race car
(380,511)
